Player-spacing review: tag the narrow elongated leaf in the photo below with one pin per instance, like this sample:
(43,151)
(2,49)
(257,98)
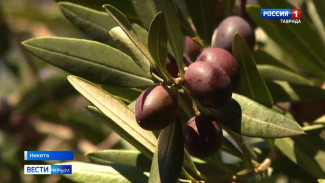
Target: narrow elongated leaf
(168,158)
(260,121)
(125,6)
(251,84)
(301,41)
(141,32)
(125,44)
(307,152)
(175,37)
(263,58)
(228,6)
(157,42)
(123,22)
(124,94)
(145,10)
(283,91)
(91,60)
(320,7)
(270,73)
(94,23)
(88,172)
(122,117)
(204,16)
(123,157)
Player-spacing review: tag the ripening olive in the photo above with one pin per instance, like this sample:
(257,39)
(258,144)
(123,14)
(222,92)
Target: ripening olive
(155,108)
(192,48)
(203,136)
(208,83)
(228,27)
(224,60)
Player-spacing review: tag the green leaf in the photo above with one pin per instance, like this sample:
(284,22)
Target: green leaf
(301,41)
(307,152)
(132,158)
(122,118)
(283,91)
(141,32)
(123,22)
(320,7)
(228,6)
(157,42)
(124,94)
(270,73)
(145,10)
(125,44)
(175,37)
(168,158)
(263,58)
(94,23)
(91,60)
(260,121)
(88,172)
(204,16)
(251,84)
(124,6)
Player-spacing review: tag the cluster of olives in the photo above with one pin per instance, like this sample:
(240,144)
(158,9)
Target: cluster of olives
(210,79)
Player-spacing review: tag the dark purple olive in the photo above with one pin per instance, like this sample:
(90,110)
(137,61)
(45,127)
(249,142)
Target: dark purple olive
(228,27)
(208,83)
(222,58)
(155,108)
(171,66)
(203,136)
(192,48)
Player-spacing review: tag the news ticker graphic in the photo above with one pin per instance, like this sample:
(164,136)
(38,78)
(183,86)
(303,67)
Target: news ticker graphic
(47,155)
(285,15)
(47,169)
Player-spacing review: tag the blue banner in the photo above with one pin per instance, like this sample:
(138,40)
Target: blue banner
(61,169)
(276,13)
(47,169)
(48,155)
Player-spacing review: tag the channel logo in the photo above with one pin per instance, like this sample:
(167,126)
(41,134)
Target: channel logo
(285,15)
(47,169)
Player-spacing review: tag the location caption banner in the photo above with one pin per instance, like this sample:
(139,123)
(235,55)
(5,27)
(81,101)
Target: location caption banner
(47,155)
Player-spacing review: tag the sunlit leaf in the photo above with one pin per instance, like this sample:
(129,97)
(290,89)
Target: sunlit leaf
(260,121)
(122,118)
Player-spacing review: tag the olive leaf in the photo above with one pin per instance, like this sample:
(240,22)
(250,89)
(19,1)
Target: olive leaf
(157,42)
(251,84)
(204,16)
(132,158)
(168,157)
(94,23)
(175,37)
(89,59)
(122,118)
(260,121)
(283,91)
(307,152)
